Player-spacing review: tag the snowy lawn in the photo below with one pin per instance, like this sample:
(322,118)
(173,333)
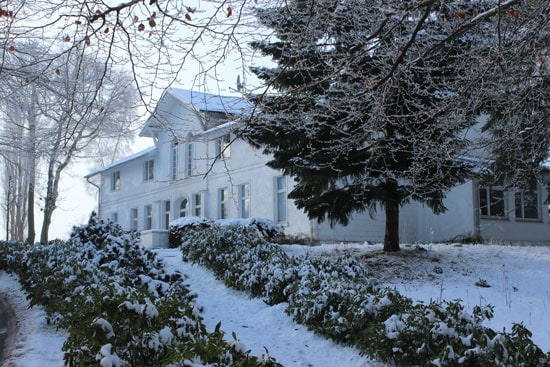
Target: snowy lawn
(515,279)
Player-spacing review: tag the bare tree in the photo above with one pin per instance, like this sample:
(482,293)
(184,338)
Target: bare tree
(160,42)
(15,197)
(14,172)
(80,111)
(65,110)
(19,149)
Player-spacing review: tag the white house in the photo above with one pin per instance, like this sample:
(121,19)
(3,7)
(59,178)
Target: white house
(197,167)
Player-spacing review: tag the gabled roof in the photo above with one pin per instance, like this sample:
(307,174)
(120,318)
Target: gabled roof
(199,102)
(213,103)
(203,104)
(137,155)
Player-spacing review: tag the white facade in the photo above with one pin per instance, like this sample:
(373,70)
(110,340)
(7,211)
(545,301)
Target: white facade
(198,168)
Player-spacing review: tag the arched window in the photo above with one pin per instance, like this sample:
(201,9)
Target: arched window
(183,208)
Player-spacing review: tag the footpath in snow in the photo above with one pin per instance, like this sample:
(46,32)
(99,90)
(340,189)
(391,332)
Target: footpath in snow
(255,324)
(34,343)
(258,325)
(517,279)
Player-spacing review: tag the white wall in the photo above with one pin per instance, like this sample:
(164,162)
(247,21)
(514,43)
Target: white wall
(457,221)
(417,223)
(247,165)
(512,229)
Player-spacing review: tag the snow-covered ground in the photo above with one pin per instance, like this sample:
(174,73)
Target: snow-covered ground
(515,279)
(36,343)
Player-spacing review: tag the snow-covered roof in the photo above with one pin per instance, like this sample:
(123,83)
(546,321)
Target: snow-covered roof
(205,103)
(216,131)
(212,102)
(121,161)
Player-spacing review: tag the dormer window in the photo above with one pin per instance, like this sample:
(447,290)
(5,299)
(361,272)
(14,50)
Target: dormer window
(223,146)
(115,181)
(149,170)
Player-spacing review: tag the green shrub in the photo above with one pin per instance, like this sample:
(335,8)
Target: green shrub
(335,297)
(117,302)
(181,226)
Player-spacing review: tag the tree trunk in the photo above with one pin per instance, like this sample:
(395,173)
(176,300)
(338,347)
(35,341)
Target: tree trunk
(55,168)
(391,236)
(31,168)
(8,207)
(21,204)
(49,201)
(46,225)
(31,234)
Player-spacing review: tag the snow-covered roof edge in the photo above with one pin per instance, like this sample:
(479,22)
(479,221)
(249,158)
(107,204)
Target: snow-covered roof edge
(213,102)
(217,131)
(121,161)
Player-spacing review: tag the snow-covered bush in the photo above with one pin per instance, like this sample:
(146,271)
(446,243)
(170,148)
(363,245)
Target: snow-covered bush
(238,255)
(267,228)
(117,302)
(180,226)
(444,334)
(335,297)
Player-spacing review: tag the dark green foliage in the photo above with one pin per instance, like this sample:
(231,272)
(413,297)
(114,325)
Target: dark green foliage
(334,297)
(178,231)
(365,100)
(117,302)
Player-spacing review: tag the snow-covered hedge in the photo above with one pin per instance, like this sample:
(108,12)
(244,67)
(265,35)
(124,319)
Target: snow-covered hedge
(335,297)
(119,305)
(220,248)
(267,228)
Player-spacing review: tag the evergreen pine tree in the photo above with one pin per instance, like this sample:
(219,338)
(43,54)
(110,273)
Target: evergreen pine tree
(368,105)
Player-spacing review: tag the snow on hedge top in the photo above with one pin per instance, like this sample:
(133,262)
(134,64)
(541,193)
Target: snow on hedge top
(189,221)
(264,224)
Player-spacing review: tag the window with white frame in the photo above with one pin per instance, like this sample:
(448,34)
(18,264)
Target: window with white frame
(174,162)
(223,202)
(184,205)
(527,204)
(280,199)
(189,160)
(223,148)
(115,181)
(114,217)
(167,214)
(492,201)
(149,170)
(244,200)
(134,219)
(197,205)
(148,217)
